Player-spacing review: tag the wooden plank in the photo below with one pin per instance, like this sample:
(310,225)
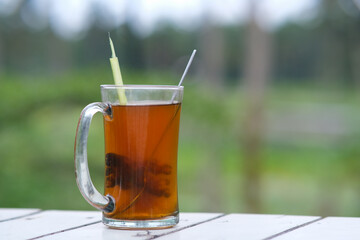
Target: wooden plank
(241,226)
(46,222)
(328,228)
(13,213)
(100,231)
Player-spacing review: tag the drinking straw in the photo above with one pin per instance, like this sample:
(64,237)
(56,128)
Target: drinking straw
(117,74)
(185,72)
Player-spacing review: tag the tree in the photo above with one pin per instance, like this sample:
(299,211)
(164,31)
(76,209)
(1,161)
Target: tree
(212,51)
(257,72)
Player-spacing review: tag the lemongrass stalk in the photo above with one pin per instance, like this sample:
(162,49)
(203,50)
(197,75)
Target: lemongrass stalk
(117,74)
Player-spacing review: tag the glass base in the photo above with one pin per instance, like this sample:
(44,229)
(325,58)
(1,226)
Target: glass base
(141,224)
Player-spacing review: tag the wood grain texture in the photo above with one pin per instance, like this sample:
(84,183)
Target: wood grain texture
(329,228)
(100,231)
(241,226)
(36,224)
(7,214)
(46,222)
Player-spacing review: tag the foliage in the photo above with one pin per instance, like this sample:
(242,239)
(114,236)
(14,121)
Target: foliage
(303,173)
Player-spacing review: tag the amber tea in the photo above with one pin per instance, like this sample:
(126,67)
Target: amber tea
(141,160)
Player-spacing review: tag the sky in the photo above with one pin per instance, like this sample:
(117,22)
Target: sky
(72,18)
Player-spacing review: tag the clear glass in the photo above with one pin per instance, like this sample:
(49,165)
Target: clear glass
(141,144)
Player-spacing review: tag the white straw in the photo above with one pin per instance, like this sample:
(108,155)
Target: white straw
(187,67)
(185,72)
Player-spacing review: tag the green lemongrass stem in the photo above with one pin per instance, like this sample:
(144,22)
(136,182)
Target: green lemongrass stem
(117,74)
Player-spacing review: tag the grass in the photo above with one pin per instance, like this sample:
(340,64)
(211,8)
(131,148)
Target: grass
(313,174)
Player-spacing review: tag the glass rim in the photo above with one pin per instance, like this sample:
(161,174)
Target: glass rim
(139,86)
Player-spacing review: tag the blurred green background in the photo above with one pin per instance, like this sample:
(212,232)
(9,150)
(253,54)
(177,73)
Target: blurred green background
(270,118)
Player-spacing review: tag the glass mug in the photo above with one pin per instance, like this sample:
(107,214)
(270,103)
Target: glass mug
(141,145)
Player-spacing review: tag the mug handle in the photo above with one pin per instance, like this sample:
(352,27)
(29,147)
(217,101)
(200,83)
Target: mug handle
(85,185)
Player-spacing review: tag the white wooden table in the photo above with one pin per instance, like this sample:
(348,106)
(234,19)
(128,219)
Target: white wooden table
(52,224)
